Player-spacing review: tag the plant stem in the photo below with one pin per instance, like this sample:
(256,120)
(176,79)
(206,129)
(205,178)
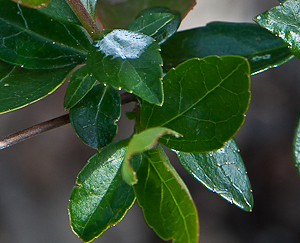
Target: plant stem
(48,125)
(84,17)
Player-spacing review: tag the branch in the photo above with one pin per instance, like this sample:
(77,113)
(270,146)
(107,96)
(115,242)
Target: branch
(84,17)
(49,125)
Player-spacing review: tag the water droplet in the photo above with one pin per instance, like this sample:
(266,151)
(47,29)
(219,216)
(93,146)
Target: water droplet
(238,150)
(120,88)
(104,84)
(130,91)
(221,151)
(246,172)
(251,190)
(6,85)
(198,168)
(258,18)
(53,42)
(210,154)
(22,66)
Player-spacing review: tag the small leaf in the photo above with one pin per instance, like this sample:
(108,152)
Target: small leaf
(94,117)
(33,3)
(223,172)
(166,202)
(20,87)
(160,24)
(283,21)
(81,82)
(120,14)
(33,40)
(206,100)
(60,10)
(128,60)
(140,143)
(90,6)
(101,197)
(296,146)
(262,49)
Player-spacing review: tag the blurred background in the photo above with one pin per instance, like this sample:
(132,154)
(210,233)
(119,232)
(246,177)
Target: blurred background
(37,176)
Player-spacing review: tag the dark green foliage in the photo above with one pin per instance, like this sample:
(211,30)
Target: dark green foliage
(192,88)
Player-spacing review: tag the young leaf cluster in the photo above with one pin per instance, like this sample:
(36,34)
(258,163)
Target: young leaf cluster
(192,89)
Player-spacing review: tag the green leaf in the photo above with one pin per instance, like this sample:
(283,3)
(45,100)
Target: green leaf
(80,83)
(20,87)
(119,14)
(159,23)
(101,197)
(32,40)
(140,143)
(60,10)
(223,172)
(33,3)
(296,146)
(206,100)
(166,202)
(90,6)
(283,21)
(94,117)
(128,60)
(262,49)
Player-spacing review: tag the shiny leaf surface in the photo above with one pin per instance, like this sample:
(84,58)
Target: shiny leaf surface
(140,143)
(296,146)
(17,91)
(223,172)
(94,117)
(80,83)
(166,202)
(60,10)
(101,197)
(128,60)
(160,24)
(90,6)
(32,40)
(262,49)
(205,101)
(283,21)
(33,3)
(119,14)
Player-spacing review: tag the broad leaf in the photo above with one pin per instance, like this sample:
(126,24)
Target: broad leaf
(140,143)
(33,40)
(119,14)
(262,49)
(80,83)
(223,172)
(90,6)
(159,23)
(166,202)
(205,101)
(33,3)
(296,146)
(94,117)
(283,21)
(60,10)
(101,197)
(128,60)
(20,87)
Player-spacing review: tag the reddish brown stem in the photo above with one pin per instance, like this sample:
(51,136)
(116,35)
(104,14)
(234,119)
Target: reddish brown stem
(48,125)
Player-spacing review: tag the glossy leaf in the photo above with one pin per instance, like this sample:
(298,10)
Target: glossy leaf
(262,49)
(223,172)
(90,6)
(32,40)
(20,87)
(166,202)
(119,14)
(33,3)
(140,143)
(80,83)
(160,24)
(283,21)
(206,100)
(128,60)
(296,146)
(94,117)
(101,197)
(60,10)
